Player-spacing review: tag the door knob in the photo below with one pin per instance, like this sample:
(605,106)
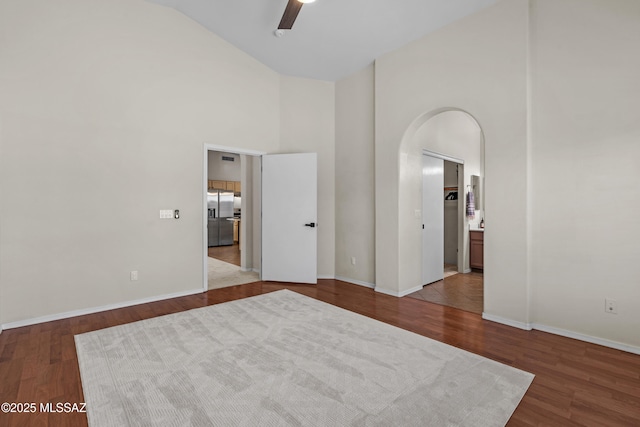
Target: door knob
(311,224)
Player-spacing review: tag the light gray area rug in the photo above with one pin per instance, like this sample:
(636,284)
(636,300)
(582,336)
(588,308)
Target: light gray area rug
(283,359)
(222,274)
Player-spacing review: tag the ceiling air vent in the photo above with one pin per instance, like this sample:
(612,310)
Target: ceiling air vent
(228,159)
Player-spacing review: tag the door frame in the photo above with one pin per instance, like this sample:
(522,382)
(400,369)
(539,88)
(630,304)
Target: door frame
(461,205)
(205,187)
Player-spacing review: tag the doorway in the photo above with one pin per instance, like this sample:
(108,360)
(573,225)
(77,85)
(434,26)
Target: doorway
(231,217)
(224,195)
(452,219)
(442,217)
(453,142)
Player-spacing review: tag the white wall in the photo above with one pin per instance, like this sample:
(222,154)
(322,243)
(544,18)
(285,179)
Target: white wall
(478,65)
(224,170)
(307,124)
(586,129)
(355,225)
(105,107)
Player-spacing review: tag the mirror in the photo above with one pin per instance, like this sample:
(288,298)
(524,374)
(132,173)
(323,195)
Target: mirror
(476,187)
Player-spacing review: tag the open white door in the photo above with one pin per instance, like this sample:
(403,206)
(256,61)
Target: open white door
(289,218)
(432,219)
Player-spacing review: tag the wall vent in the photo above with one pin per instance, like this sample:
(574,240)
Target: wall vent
(228,159)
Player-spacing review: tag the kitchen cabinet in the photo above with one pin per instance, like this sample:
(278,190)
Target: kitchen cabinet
(476,249)
(214,184)
(218,185)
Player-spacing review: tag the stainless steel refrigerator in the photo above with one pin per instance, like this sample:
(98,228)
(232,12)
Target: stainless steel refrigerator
(220,217)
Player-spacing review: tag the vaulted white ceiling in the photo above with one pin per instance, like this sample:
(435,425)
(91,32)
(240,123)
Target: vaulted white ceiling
(330,38)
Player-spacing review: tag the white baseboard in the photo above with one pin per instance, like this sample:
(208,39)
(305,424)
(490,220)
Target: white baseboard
(587,338)
(466,270)
(410,291)
(563,333)
(325,276)
(508,322)
(82,312)
(396,293)
(356,282)
(385,291)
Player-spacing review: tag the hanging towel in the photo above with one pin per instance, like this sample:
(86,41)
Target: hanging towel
(471,205)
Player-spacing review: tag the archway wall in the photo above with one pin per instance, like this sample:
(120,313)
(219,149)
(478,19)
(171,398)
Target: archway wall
(478,65)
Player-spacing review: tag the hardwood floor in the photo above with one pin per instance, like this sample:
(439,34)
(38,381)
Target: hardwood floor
(576,383)
(463,291)
(230,254)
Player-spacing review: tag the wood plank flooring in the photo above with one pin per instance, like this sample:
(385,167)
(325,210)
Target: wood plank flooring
(230,254)
(576,383)
(463,291)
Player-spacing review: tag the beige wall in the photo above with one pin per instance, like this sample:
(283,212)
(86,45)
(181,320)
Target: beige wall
(307,124)
(586,169)
(355,225)
(103,115)
(477,64)
(248,238)
(108,113)
(556,117)
(256,217)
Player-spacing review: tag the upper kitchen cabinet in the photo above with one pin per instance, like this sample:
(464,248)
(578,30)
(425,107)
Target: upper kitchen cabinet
(224,185)
(218,185)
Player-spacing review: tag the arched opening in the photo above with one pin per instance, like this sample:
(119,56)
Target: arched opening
(417,138)
(452,209)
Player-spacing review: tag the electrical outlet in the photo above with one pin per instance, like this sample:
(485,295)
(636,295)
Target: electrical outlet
(353,260)
(166,214)
(611,306)
(134,275)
